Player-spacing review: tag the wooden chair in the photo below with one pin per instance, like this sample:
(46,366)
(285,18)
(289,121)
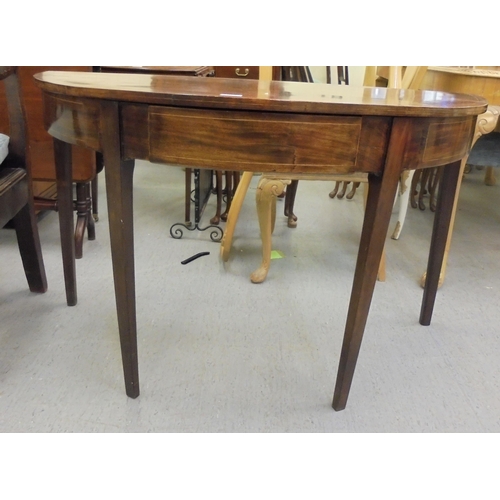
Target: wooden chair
(16,198)
(387,76)
(232,181)
(303,74)
(41,153)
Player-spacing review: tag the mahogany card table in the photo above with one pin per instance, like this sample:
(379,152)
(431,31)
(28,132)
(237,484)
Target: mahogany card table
(256,126)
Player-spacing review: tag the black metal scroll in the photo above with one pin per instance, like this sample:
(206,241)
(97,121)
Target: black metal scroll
(202,190)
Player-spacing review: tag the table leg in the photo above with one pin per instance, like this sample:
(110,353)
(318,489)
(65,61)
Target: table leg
(379,203)
(450,229)
(442,219)
(64,174)
(119,175)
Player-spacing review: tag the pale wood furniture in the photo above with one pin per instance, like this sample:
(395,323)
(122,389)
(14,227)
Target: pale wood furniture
(232,177)
(483,81)
(266,207)
(303,74)
(405,77)
(16,191)
(271,127)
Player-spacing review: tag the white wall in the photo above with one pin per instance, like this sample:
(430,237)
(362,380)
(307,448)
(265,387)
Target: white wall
(356,74)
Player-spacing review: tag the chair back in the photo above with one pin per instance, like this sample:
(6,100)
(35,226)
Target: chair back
(40,148)
(14,121)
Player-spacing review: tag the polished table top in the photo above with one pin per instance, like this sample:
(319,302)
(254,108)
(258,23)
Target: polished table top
(230,93)
(484,82)
(273,127)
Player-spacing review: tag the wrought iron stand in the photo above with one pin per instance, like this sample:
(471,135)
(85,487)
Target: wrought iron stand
(203,184)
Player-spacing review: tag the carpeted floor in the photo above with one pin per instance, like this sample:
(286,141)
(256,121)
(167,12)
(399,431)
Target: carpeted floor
(485,152)
(219,354)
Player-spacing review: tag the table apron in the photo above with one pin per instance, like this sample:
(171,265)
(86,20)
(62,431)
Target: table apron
(257,141)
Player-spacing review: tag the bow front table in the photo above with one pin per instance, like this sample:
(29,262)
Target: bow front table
(258,126)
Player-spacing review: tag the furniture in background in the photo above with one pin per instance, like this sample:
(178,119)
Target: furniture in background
(397,80)
(41,155)
(202,179)
(158,70)
(303,74)
(486,154)
(293,74)
(482,81)
(249,72)
(342,75)
(406,77)
(203,184)
(486,123)
(289,74)
(255,126)
(232,177)
(16,190)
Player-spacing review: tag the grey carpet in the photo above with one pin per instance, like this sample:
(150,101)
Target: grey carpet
(486,151)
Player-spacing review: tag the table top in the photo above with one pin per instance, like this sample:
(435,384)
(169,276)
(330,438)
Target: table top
(222,93)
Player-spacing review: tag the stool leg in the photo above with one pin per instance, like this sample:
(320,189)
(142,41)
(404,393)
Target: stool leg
(81,218)
(94,196)
(218,190)
(290,202)
(229,194)
(90,218)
